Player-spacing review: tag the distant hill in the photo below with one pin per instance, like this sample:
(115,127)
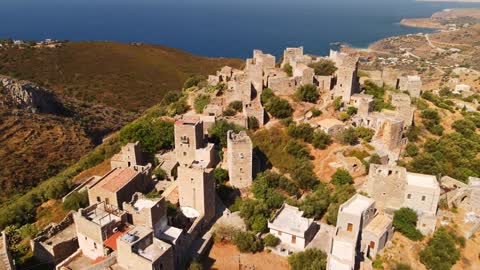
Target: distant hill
(125,76)
(75,95)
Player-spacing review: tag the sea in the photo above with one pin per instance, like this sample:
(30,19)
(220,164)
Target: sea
(217,28)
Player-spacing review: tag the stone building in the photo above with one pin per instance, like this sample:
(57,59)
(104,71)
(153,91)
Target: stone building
(292,55)
(118,185)
(303,74)
(364,103)
(360,232)
(388,128)
(240,159)
(129,156)
(139,249)
(347,82)
(95,225)
(411,84)
(190,142)
(464,196)
(239,88)
(254,109)
(403,107)
(393,187)
(6,262)
(292,228)
(56,242)
(331,126)
(463,89)
(282,84)
(196,187)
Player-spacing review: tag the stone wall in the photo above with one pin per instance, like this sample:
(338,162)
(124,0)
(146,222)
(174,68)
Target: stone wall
(240,159)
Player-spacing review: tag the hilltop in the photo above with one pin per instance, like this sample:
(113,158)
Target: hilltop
(101,86)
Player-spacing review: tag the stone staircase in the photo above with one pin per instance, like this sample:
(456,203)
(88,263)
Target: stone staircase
(4,259)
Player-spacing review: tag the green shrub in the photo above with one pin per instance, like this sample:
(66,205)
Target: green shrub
(316,204)
(411,150)
(378,93)
(352,110)
(348,136)
(194,81)
(195,265)
(344,116)
(152,135)
(252,123)
(200,102)
(441,252)
(324,67)
(236,105)
(365,133)
(464,127)
(302,131)
(321,140)
(412,133)
(160,173)
(342,177)
(218,131)
(76,200)
(405,222)
(287,68)
(278,107)
(271,241)
(307,93)
(402,266)
(337,103)
(310,259)
(316,112)
(297,149)
(247,242)
(220,175)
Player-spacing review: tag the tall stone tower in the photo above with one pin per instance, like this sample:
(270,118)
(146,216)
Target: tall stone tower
(129,156)
(188,138)
(196,187)
(347,78)
(240,159)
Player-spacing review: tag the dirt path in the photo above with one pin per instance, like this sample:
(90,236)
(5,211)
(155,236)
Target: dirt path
(227,257)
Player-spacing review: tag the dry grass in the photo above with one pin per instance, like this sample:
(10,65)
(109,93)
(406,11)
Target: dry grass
(131,77)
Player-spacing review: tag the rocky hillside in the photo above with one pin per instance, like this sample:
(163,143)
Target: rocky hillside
(56,104)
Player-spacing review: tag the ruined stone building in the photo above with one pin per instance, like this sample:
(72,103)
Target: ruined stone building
(388,128)
(240,159)
(292,228)
(56,242)
(392,188)
(361,232)
(254,109)
(347,82)
(95,225)
(364,104)
(118,185)
(190,142)
(196,187)
(129,156)
(139,249)
(411,84)
(465,196)
(331,126)
(403,107)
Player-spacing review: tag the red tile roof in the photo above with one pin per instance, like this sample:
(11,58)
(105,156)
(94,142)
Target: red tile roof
(118,178)
(111,242)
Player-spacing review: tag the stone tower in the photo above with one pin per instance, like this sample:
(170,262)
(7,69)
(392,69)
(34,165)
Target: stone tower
(240,159)
(188,138)
(347,78)
(196,187)
(129,156)
(390,132)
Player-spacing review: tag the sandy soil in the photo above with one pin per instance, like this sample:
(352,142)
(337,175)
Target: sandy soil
(226,257)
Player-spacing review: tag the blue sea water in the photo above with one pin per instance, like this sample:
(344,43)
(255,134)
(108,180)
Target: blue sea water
(230,28)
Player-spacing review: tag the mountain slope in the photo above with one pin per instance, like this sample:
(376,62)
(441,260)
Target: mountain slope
(75,96)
